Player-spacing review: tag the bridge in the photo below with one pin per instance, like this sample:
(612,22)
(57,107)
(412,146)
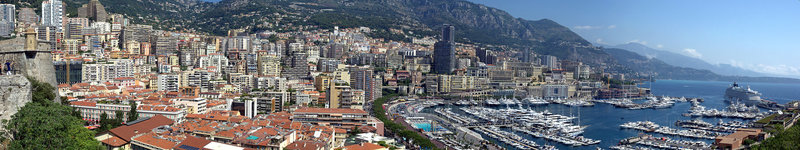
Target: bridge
(487,124)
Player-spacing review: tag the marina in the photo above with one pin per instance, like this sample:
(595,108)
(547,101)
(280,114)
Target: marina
(600,122)
(736,110)
(661,143)
(648,126)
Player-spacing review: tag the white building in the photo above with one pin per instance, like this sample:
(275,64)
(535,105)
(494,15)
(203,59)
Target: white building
(168,82)
(53,14)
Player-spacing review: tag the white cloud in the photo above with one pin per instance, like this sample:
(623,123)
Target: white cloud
(659,46)
(781,69)
(586,27)
(692,53)
(638,41)
(600,41)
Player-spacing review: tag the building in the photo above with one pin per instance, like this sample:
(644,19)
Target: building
(296,66)
(363,146)
(68,72)
(192,105)
(122,136)
(53,14)
(269,65)
(444,55)
(362,78)
(735,140)
(342,118)
(267,105)
(555,91)
(94,11)
(550,61)
(138,33)
(7,19)
(168,82)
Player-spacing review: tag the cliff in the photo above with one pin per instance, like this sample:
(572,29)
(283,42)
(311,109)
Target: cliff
(15,92)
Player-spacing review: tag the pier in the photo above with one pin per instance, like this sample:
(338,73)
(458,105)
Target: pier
(662,143)
(648,126)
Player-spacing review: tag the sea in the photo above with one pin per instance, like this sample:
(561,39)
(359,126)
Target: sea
(604,120)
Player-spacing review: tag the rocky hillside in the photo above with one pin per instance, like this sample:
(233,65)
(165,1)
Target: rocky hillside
(15,92)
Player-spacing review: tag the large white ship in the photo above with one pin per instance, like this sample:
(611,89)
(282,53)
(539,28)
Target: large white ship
(747,96)
(744,95)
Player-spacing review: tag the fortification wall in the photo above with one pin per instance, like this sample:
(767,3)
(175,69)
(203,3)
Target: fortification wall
(39,67)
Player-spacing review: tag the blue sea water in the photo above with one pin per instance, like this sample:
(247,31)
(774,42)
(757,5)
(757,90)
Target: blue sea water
(604,119)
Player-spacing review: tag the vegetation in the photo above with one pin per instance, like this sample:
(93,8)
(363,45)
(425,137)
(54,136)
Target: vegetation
(133,115)
(44,124)
(396,128)
(789,139)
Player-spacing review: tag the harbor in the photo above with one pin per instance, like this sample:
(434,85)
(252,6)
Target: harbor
(650,141)
(578,123)
(648,126)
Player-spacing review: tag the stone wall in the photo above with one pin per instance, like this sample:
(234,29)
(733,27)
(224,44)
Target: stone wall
(15,92)
(40,67)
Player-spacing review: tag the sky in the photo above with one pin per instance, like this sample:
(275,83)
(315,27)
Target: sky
(758,35)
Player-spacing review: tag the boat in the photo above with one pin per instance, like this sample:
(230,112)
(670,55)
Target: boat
(738,94)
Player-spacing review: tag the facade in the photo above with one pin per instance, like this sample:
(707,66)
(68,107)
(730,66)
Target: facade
(7,19)
(93,10)
(335,117)
(68,72)
(362,78)
(555,91)
(168,82)
(53,14)
(444,57)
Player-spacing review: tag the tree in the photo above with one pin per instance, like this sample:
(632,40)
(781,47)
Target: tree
(119,115)
(42,92)
(133,115)
(105,123)
(38,126)
(45,124)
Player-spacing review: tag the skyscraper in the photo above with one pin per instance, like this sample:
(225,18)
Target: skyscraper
(7,19)
(53,14)
(444,54)
(94,11)
(361,78)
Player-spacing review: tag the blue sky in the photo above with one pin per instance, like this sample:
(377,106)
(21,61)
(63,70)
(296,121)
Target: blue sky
(763,36)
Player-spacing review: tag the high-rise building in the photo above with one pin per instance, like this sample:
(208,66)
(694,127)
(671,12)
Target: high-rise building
(444,52)
(361,78)
(7,19)
(93,10)
(53,14)
(550,61)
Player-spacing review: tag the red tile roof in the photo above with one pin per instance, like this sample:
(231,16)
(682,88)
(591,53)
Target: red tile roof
(114,141)
(363,146)
(305,145)
(84,103)
(330,110)
(150,139)
(128,131)
(193,142)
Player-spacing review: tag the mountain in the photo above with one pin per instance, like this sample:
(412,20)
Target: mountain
(679,60)
(645,66)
